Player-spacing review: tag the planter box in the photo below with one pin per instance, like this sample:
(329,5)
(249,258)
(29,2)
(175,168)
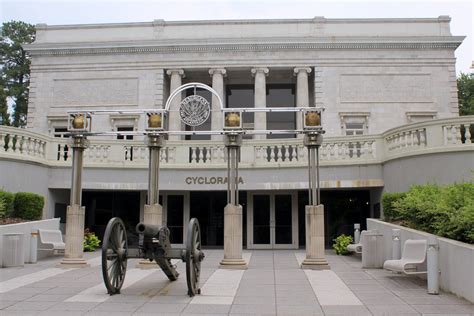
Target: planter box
(456,259)
(25,229)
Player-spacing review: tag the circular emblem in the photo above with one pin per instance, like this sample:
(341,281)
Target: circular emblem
(194,110)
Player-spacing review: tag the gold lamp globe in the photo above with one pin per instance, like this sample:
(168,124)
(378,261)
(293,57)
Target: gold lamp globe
(78,122)
(312,119)
(154,121)
(232,120)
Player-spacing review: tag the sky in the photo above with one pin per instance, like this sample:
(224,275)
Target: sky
(54,12)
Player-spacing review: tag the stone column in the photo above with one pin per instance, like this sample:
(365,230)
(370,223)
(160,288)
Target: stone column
(174,121)
(315,258)
(302,93)
(217,75)
(260,118)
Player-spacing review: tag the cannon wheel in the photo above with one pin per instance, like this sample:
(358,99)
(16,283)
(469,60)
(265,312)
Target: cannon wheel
(194,257)
(114,255)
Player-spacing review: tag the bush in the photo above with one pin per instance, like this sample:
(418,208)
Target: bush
(91,241)
(341,243)
(389,211)
(28,205)
(3,209)
(444,211)
(8,199)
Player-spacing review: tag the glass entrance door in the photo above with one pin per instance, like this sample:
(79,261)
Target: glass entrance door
(176,216)
(272,221)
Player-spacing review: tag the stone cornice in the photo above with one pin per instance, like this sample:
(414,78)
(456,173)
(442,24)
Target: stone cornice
(225,47)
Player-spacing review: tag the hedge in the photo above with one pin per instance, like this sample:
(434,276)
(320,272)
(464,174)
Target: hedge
(28,205)
(8,199)
(389,212)
(446,211)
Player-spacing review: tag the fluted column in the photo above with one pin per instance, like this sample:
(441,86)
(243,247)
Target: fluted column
(260,118)
(217,75)
(302,92)
(174,121)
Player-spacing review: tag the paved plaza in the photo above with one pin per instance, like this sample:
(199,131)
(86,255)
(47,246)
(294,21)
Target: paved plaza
(273,285)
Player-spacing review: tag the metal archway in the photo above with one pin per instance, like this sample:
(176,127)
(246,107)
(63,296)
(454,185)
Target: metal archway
(192,85)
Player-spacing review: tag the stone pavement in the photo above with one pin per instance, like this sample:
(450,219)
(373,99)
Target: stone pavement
(273,285)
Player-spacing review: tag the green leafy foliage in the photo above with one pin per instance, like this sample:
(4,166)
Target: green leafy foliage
(91,241)
(341,243)
(15,69)
(388,200)
(465,84)
(8,199)
(3,209)
(28,205)
(446,211)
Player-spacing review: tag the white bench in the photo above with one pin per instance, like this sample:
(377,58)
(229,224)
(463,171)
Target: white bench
(51,240)
(357,248)
(413,258)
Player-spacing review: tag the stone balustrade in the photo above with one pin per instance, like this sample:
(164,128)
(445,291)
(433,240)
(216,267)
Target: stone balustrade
(418,138)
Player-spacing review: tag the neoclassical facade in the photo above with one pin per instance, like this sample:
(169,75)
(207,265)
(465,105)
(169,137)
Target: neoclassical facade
(388,87)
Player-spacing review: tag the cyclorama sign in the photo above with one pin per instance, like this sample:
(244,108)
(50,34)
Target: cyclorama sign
(210,180)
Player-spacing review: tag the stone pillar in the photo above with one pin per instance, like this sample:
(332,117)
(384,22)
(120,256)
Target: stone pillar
(174,121)
(233,238)
(302,93)
(260,118)
(217,75)
(74,252)
(315,258)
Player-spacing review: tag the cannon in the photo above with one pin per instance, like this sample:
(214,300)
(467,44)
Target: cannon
(154,245)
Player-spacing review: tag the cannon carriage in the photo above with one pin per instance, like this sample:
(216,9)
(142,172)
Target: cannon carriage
(153,245)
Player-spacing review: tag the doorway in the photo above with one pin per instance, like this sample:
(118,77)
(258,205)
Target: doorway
(272,220)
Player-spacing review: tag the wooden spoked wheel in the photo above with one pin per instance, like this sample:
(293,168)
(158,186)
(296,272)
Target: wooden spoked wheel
(114,255)
(194,256)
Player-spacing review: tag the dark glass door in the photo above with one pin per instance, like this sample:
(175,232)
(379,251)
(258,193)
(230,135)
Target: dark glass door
(261,219)
(283,219)
(175,218)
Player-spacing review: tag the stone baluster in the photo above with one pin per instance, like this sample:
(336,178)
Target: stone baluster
(458,134)
(272,153)
(2,142)
(193,154)
(467,133)
(287,153)
(422,137)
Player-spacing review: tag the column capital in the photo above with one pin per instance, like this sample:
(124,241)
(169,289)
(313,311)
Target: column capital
(297,70)
(216,71)
(256,70)
(180,72)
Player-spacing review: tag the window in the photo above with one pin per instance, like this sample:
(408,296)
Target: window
(60,132)
(281,95)
(242,96)
(354,123)
(125,129)
(206,126)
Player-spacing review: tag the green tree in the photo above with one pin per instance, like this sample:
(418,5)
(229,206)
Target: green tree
(15,67)
(4,116)
(466,94)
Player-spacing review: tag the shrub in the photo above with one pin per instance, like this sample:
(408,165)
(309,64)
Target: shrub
(8,199)
(341,243)
(444,211)
(91,241)
(389,211)
(28,205)
(3,209)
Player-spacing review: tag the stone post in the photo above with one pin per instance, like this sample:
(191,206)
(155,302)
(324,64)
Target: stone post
(174,121)
(260,118)
(233,211)
(74,252)
(302,93)
(217,75)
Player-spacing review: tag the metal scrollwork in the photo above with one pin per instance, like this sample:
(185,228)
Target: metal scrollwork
(194,110)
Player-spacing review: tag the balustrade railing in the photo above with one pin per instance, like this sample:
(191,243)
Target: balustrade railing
(407,139)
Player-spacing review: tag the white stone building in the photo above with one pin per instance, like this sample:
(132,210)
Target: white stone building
(388,87)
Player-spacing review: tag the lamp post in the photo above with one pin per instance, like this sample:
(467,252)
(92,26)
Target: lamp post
(314,212)
(233,210)
(78,125)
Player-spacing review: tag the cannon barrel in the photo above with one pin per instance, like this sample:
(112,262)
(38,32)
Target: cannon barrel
(148,230)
